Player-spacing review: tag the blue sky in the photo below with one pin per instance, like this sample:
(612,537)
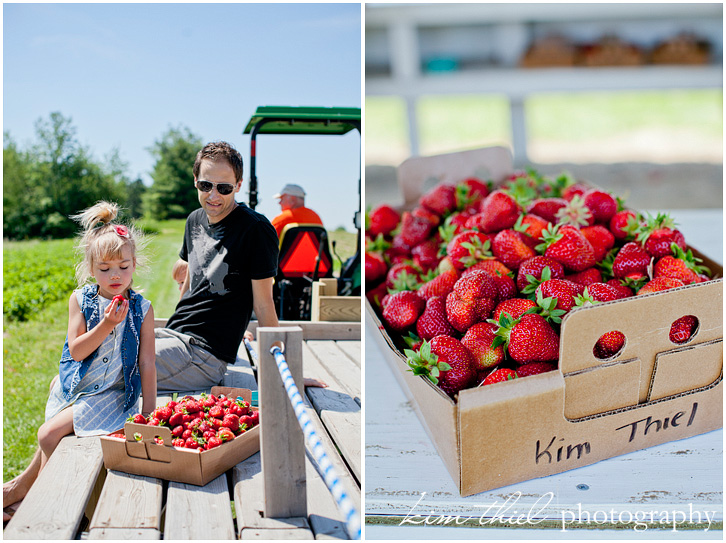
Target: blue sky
(126,73)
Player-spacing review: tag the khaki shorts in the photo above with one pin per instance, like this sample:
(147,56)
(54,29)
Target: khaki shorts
(181,365)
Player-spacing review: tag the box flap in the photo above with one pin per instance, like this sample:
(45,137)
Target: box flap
(489,163)
(232,392)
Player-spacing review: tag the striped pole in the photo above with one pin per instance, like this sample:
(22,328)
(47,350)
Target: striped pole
(330,475)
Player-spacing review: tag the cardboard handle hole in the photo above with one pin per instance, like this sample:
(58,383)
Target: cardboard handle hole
(609,345)
(684,329)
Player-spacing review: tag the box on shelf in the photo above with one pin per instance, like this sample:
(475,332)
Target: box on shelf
(148,458)
(589,409)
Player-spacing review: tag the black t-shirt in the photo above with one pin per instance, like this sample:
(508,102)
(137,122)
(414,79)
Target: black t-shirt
(223,259)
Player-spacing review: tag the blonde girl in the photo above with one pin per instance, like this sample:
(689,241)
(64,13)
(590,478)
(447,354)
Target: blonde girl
(108,359)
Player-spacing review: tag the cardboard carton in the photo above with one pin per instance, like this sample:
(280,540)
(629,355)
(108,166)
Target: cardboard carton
(589,409)
(147,458)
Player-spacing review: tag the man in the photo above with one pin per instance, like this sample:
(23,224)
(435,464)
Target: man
(292,202)
(232,253)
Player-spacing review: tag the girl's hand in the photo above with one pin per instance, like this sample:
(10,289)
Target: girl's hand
(116,312)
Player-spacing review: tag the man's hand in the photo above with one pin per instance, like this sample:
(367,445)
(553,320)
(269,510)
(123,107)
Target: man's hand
(310,382)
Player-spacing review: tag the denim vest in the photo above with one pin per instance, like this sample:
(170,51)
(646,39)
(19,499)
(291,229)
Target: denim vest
(72,371)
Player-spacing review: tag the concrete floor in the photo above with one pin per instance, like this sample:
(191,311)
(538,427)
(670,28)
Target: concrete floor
(643,185)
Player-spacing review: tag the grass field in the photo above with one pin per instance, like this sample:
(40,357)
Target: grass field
(557,123)
(31,349)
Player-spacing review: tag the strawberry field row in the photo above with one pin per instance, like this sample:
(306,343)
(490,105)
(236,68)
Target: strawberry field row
(34,275)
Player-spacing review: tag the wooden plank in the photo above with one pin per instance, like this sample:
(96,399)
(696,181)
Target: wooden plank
(320,330)
(340,414)
(338,364)
(329,286)
(129,501)
(282,445)
(338,309)
(326,520)
(54,506)
(249,500)
(185,519)
(260,534)
(352,349)
(344,471)
(119,534)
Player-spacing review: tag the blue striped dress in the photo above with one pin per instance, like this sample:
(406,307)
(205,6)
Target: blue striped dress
(98,400)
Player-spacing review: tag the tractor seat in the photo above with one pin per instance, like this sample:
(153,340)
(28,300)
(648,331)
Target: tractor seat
(301,246)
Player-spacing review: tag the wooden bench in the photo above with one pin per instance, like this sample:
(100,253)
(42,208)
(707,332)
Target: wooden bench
(326,305)
(75,496)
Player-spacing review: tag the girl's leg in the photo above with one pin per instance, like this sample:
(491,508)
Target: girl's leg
(52,431)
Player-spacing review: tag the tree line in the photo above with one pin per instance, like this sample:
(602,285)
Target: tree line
(55,176)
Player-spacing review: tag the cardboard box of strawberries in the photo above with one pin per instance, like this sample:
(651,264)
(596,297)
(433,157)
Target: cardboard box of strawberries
(544,306)
(190,440)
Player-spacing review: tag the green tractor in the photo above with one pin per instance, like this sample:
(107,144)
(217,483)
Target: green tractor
(304,249)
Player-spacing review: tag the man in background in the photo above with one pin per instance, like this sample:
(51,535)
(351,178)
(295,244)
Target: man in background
(292,202)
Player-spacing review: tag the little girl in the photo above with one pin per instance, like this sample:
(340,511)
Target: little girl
(108,358)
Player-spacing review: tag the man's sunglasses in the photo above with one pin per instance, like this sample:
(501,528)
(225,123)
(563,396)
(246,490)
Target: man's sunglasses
(223,188)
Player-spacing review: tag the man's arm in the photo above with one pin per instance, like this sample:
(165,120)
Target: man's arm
(185,285)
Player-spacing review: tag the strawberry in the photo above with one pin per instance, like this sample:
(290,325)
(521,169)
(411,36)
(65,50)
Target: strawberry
(547,208)
(657,235)
(213,442)
(478,339)
(624,224)
(600,238)
(375,267)
(138,418)
(470,192)
(505,286)
(575,213)
(631,261)
(601,204)
(585,277)
(177,431)
(528,339)
(532,227)
(498,211)
(514,307)
(193,406)
(531,272)
(376,294)
(225,434)
(562,290)
(427,215)
(426,254)
(382,220)
(472,300)
(624,290)
(683,329)
(609,345)
(414,230)
(445,362)
(192,443)
(682,265)
(441,285)
(433,321)
(403,310)
(658,284)
(231,421)
(468,248)
(408,273)
(511,248)
(576,189)
(162,413)
(118,298)
(440,200)
(535,368)
(569,247)
(499,376)
(491,266)
(596,293)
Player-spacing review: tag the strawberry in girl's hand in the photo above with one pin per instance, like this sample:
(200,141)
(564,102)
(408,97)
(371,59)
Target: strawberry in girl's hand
(118,298)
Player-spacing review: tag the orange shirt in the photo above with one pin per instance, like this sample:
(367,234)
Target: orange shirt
(300,215)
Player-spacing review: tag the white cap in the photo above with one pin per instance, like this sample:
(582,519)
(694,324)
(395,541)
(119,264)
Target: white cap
(292,190)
